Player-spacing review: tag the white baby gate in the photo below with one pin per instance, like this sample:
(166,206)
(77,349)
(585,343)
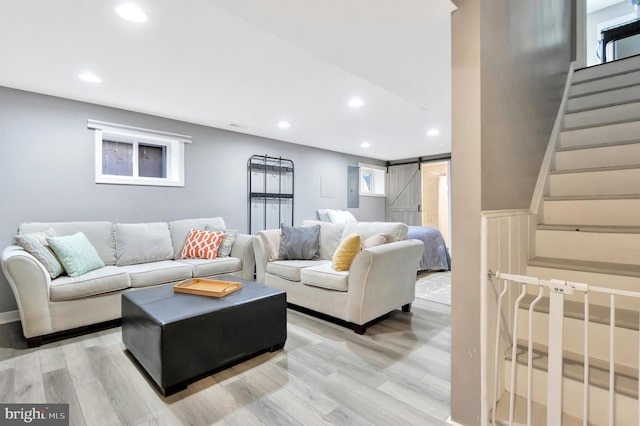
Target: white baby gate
(557,291)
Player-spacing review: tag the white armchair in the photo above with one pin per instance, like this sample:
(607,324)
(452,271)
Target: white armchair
(380,279)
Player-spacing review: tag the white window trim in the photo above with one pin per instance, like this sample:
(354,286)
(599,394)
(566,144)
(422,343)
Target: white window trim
(173,142)
(372,167)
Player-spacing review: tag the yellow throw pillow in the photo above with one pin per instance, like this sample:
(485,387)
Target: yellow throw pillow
(346,252)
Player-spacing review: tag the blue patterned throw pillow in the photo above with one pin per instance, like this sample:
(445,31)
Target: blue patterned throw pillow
(228,240)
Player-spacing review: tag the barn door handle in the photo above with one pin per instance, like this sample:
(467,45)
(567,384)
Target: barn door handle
(419,207)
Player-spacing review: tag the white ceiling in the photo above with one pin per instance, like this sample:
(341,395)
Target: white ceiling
(595,5)
(251,63)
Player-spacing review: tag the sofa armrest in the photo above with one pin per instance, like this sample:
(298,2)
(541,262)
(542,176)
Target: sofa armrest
(381,279)
(266,248)
(30,283)
(243,250)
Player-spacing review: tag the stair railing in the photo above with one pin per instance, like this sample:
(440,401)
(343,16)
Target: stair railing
(557,290)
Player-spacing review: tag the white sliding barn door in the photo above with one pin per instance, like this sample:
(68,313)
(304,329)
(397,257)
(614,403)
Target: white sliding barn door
(404,183)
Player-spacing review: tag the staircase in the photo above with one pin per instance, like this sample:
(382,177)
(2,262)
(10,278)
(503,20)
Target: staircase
(589,232)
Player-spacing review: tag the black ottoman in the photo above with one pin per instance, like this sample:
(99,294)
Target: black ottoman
(178,338)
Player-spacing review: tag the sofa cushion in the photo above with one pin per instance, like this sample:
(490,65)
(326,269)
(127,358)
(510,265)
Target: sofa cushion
(346,252)
(180,230)
(100,234)
(202,244)
(207,267)
(290,269)
(76,254)
(325,276)
(142,243)
(330,236)
(397,230)
(300,243)
(98,281)
(165,271)
(36,244)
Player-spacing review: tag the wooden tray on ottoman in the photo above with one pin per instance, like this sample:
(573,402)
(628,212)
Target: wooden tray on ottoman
(206,287)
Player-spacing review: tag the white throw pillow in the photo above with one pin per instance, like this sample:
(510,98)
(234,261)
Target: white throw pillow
(341,216)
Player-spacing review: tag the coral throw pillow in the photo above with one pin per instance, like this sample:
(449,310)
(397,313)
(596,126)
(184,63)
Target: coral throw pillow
(202,244)
(346,252)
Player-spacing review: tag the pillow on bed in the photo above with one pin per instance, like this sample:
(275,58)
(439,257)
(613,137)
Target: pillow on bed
(341,216)
(323,215)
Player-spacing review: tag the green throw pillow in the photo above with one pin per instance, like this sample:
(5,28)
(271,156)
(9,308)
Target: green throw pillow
(36,244)
(76,254)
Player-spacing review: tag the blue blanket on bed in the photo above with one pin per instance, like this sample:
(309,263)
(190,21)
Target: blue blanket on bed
(436,256)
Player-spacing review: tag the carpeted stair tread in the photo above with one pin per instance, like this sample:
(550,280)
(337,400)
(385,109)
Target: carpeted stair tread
(598,314)
(626,378)
(604,229)
(538,413)
(608,268)
(595,169)
(597,145)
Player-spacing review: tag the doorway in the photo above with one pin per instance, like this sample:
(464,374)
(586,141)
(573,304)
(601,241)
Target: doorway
(598,19)
(436,200)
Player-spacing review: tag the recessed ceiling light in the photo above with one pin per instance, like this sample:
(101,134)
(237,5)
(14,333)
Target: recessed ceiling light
(284,124)
(89,77)
(433,132)
(131,12)
(355,102)
(365,144)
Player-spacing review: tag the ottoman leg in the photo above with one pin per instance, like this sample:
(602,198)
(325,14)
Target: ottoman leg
(277,347)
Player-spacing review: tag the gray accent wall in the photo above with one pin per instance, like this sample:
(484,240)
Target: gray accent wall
(509,64)
(48,173)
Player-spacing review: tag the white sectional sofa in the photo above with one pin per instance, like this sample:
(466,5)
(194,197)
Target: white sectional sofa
(135,256)
(379,280)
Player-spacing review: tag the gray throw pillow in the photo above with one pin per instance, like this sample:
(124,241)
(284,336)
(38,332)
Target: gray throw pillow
(300,243)
(36,244)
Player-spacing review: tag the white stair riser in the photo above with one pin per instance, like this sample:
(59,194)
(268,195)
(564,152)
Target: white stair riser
(604,70)
(626,409)
(622,212)
(626,340)
(599,100)
(620,132)
(592,246)
(610,83)
(618,282)
(595,117)
(606,182)
(610,156)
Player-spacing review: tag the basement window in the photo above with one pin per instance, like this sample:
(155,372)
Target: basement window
(372,180)
(126,155)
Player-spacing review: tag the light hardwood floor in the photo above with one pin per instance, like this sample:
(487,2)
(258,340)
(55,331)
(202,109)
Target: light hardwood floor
(398,373)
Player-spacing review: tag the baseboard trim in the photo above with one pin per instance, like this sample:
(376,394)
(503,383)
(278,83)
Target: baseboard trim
(7,317)
(450,422)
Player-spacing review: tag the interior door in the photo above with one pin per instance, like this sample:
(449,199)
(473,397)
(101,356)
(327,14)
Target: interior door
(404,183)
